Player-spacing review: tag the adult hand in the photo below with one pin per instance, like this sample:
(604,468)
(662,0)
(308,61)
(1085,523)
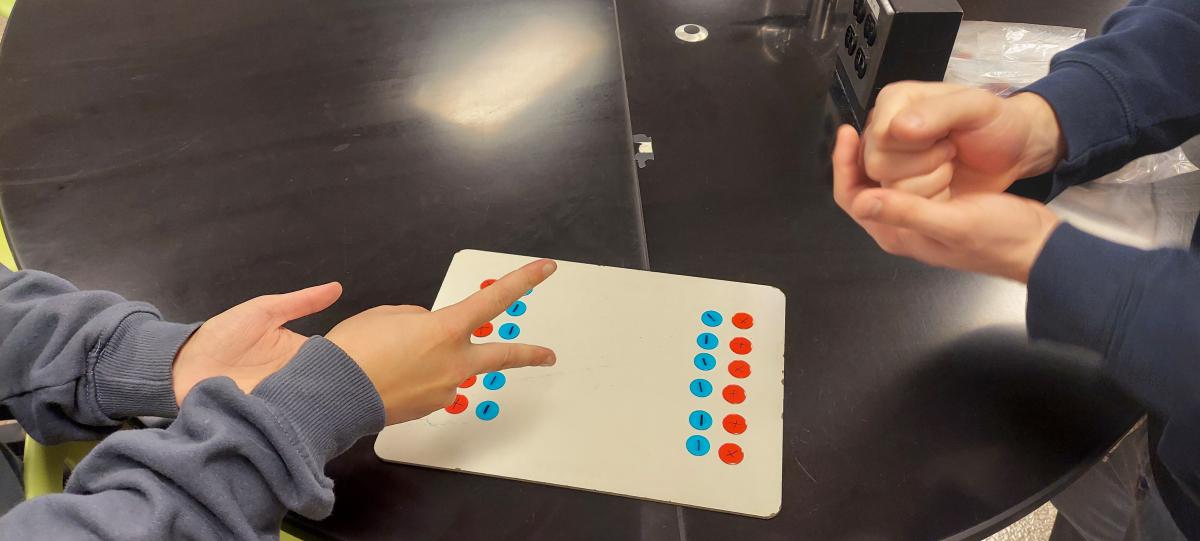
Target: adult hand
(417,358)
(923,137)
(248,342)
(997,234)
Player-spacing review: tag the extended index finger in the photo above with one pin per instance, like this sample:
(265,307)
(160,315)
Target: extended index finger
(490,301)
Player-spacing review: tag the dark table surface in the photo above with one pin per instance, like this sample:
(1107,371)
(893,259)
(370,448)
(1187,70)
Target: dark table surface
(197,157)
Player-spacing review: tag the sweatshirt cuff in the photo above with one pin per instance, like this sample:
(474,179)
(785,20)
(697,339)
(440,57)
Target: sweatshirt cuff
(133,371)
(1079,288)
(325,397)
(1088,107)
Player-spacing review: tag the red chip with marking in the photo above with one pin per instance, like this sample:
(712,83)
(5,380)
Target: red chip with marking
(731,453)
(734,394)
(487,282)
(459,405)
(743,320)
(739,369)
(467,382)
(483,330)
(740,345)
(734,424)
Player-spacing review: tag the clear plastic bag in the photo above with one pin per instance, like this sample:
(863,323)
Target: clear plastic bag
(1151,168)
(1005,57)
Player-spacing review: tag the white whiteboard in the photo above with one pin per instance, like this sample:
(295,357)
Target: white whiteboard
(616,413)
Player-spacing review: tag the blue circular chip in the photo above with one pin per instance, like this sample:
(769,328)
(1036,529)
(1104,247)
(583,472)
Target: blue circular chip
(517,309)
(487,410)
(494,381)
(508,331)
(701,387)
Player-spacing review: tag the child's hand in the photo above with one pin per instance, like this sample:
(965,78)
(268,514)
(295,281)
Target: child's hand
(417,358)
(248,342)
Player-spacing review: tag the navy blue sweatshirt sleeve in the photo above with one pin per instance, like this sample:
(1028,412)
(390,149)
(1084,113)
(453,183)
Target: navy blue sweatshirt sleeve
(74,364)
(1133,91)
(1141,311)
(229,467)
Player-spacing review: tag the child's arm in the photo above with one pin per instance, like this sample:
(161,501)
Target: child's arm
(74,363)
(229,467)
(232,464)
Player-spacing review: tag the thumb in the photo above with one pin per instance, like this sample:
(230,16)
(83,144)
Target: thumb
(933,118)
(286,307)
(494,357)
(941,220)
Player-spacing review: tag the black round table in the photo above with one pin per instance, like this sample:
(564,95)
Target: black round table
(194,155)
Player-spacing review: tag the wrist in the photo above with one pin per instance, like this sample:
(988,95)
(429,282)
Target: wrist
(132,371)
(325,398)
(1046,146)
(1027,258)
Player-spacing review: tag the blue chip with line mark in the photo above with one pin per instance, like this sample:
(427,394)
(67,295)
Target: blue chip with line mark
(487,410)
(494,381)
(508,331)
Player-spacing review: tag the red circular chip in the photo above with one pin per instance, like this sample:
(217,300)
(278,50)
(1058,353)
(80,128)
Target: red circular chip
(734,423)
(740,345)
(739,369)
(734,394)
(467,382)
(731,453)
(459,405)
(483,330)
(487,282)
(743,320)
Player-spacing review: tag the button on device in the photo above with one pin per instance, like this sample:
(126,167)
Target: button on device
(869,30)
(701,387)
(487,282)
(712,318)
(700,420)
(860,63)
(487,410)
(705,362)
(743,320)
(467,382)
(707,340)
(698,445)
(739,369)
(483,331)
(851,41)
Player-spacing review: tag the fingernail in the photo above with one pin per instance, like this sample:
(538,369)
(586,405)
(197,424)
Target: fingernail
(873,208)
(912,120)
(951,152)
(550,359)
(549,268)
